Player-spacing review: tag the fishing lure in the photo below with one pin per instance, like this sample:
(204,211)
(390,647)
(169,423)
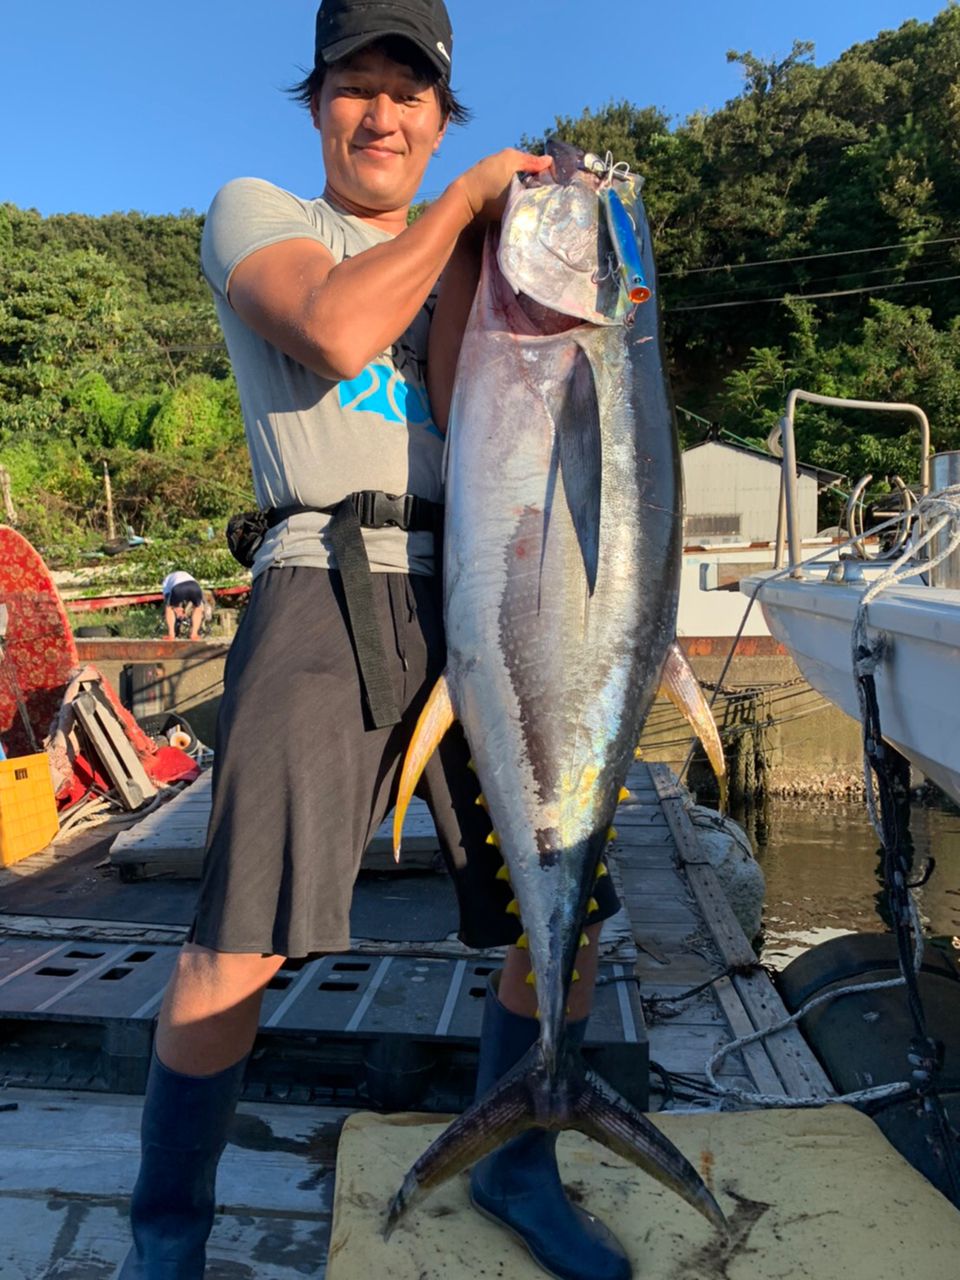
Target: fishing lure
(630,267)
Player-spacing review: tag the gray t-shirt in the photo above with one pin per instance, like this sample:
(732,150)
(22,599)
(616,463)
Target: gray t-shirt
(313,440)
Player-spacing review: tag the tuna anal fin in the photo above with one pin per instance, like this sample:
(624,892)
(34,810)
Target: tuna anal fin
(435,719)
(499,1116)
(577,421)
(602,1114)
(682,687)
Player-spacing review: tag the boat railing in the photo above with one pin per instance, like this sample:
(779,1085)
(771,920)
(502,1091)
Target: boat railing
(788,519)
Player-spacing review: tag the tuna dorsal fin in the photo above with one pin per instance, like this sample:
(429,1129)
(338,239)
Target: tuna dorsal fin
(682,687)
(577,421)
(435,719)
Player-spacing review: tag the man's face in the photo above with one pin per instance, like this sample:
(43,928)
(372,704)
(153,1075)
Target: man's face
(379,127)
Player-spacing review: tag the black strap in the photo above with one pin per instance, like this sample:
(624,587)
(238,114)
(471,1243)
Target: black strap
(368,509)
(347,542)
(376,510)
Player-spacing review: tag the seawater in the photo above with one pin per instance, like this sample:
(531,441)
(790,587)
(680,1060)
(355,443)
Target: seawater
(822,866)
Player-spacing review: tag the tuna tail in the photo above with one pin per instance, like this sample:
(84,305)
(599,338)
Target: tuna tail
(579,1099)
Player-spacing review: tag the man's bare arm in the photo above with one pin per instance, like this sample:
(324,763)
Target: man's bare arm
(457,289)
(335,317)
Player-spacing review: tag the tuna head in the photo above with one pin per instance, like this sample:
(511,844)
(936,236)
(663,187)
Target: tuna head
(557,245)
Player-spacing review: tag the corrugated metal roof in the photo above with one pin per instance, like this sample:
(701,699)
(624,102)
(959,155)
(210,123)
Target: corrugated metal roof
(823,477)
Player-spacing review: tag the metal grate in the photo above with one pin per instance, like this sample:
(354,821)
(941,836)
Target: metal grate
(337,1025)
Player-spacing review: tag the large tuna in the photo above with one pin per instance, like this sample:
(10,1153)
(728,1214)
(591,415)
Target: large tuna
(561,574)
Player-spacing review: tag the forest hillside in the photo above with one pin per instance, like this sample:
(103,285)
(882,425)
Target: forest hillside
(807,233)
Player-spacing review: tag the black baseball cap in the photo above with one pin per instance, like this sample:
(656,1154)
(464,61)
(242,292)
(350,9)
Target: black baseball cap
(343,26)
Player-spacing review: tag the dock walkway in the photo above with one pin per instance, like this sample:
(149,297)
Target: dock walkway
(678,918)
(62,939)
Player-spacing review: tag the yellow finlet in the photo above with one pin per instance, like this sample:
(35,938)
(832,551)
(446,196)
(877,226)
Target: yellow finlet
(435,719)
(624,795)
(504,873)
(471,766)
(602,870)
(593,905)
(493,839)
(638,753)
(531,979)
(584,940)
(682,687)
(522,943)
(481,800)
(612,833)
(576,976)
(513,908)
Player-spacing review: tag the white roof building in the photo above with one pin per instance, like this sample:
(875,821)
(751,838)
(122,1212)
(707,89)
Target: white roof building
(732,493)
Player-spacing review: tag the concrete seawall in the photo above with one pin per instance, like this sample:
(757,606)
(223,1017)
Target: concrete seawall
(777,731)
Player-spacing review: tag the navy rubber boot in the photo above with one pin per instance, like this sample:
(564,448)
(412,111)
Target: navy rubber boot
(519,1184)
(182,1136)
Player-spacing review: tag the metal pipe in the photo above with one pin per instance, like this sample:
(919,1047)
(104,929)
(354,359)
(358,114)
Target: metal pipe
(789,468)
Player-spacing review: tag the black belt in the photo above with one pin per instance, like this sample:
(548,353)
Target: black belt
(368,509)
(376,510)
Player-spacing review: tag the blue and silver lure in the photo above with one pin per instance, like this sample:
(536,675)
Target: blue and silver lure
(629,266)
(620,227)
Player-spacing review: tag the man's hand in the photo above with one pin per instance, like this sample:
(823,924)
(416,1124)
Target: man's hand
(485,186)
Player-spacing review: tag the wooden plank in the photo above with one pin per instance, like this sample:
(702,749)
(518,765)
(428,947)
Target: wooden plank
(734,947)
(70,1161)
(170,841)
(762,1071)
(641,837)
(798,1071)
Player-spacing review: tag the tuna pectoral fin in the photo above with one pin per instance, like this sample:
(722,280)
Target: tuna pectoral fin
(499,1116)
(577,419)
(682,687)
(435,719)
(603,1115)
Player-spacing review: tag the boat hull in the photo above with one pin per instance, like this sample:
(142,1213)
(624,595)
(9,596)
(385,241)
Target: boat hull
(918,677)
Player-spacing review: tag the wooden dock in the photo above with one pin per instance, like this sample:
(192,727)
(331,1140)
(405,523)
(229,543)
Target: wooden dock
(683,930)
(676,932)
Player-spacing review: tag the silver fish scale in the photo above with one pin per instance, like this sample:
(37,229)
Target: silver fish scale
(551,682)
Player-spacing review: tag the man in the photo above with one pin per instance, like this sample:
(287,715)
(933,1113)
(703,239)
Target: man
(326,306)
(179,591)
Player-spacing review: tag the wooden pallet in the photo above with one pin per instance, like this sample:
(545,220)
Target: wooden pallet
(169,843)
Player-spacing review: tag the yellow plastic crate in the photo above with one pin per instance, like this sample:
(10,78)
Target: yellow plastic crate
(28,811)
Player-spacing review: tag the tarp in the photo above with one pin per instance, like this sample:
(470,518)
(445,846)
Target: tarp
(809,1195)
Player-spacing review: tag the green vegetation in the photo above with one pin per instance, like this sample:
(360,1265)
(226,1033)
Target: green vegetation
(806,162)
(110,353)
(801,231)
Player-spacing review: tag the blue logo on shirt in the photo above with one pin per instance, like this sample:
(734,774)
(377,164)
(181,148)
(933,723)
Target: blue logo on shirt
(382,389)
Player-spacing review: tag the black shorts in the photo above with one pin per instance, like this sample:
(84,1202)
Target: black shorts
(301,785)
(185,593)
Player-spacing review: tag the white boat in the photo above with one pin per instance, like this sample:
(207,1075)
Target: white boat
(812,609)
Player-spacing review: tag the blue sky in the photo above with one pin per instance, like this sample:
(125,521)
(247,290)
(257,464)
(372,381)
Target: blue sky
(116,106)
